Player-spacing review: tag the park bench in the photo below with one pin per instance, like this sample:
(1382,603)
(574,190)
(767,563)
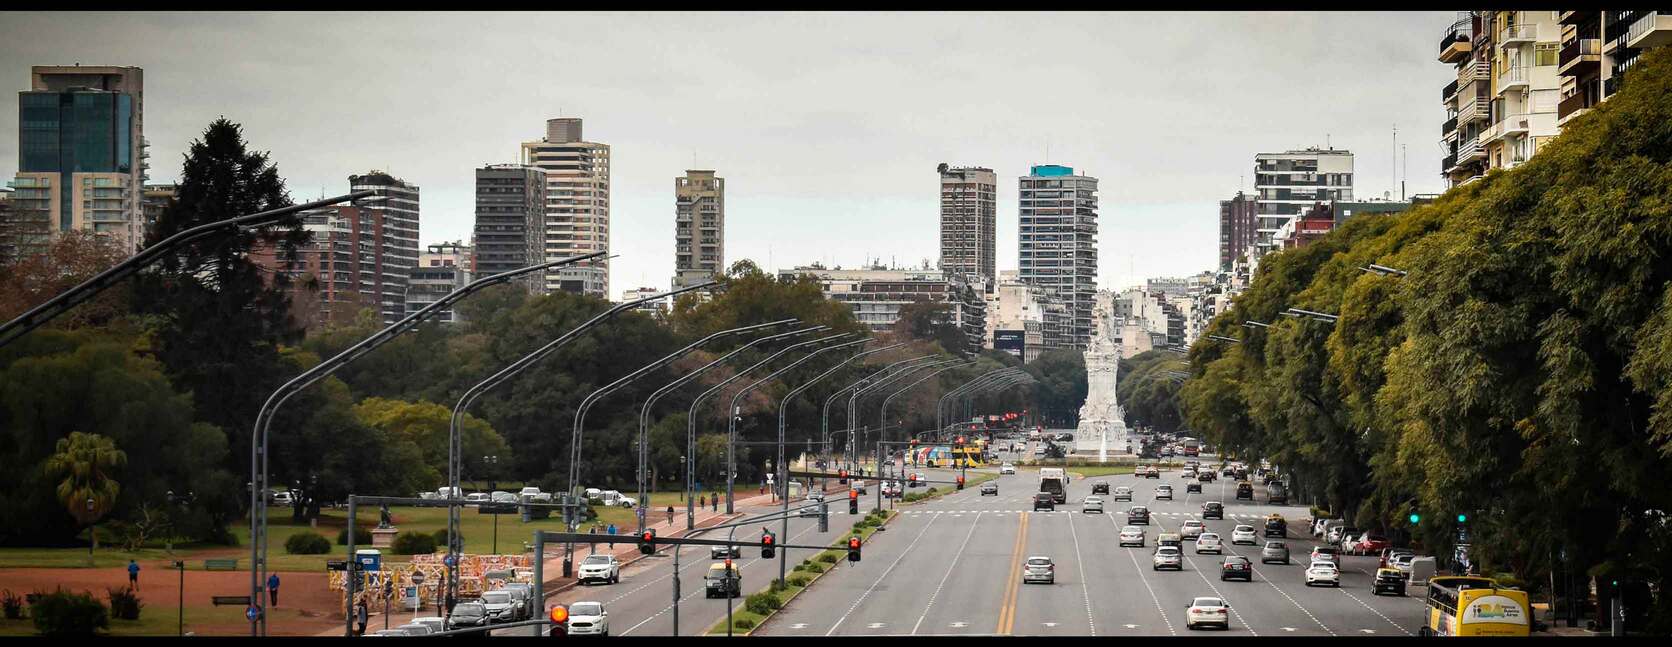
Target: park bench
(220,564)
(230,600)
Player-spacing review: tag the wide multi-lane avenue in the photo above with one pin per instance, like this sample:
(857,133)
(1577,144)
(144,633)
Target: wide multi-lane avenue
(952,566)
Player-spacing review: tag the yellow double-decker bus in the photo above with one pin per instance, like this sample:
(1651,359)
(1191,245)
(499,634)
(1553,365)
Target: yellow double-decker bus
(1474,606)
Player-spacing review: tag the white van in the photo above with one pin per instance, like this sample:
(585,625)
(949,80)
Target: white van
(1422,568)
(283,498)
(593,493)
(449,493)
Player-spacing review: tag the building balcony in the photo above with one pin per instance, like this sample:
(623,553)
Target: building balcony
(1572,106)
(1517,124)
(1652,29)
(1448,92)
(1513,78)
(1473,72)
(1455,41)
(1493,133)
(1449,163)
(1470,150)
(1473,109)
(1579,56)
(1517,34)
(1446,129)
(1573,17)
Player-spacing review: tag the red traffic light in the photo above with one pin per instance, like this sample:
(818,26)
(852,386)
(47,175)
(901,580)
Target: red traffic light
(853,543)
(560,614)
(853,494)
(648,536)
(766,539)
(960,440)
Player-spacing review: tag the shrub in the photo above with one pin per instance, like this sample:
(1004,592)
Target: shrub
(11,604)
(412,542)
(125,604)
(760,603)
(800,567)
(441,537)
(304,543)
(799,581)
(777,586)
(743,623)
(362,536)
(62,613)
(828,558)
(815,568)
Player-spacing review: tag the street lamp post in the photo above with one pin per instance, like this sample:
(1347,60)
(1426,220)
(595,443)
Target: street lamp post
(92,531)
(993,375)
(63,302)
(488,461)
(825,420)
(907,367)
(269,409)
(455,449)
(691,416)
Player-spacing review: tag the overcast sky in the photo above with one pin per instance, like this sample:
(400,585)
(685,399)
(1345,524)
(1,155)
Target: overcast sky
(826,126)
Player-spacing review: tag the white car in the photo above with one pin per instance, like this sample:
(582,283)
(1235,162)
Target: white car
(1167,557)
(436,624)
(1244,535)
(415,629)
(815,496)
(1192,529)
(1039,569)
(600,568)
(1092,504)
(1123,493)
(588,619)
(1208,542)
(1207,611)
(534,494)
(1323,573)
(478,498)
(1132,536)
(1007,468)
(283,498)
(500,496)
(1164,492)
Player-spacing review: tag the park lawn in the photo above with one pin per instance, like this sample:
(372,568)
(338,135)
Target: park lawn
(153,621)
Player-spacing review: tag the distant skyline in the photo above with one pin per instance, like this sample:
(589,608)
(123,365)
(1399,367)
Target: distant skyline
(828,127)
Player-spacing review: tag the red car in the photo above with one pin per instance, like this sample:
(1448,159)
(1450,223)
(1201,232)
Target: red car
(1370,544)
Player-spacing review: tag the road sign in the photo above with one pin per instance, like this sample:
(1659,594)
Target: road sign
(417,578)
(252,613)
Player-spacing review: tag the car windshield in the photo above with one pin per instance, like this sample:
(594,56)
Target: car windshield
(1167,550)
(1324,550)
(586,609)
(1245,528)
(1322,566)
(1236,560)
(1275,544)
(1039,561)
(1207,536)
(596,560)
(1208,602)
(469,609)
(496,597)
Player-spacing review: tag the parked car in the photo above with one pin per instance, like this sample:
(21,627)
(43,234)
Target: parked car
(1192,529)
(1137,515)
(283,498)
(1241,535)
(989,488)
(588,619)
(1323,573)
(1369,544)
(1039,569)
(1402,562)
(468,613)
(1236,567)
(1208,542)
(1213,510)
(600,568)
(1123,493)
(1044,501)
(1132,536)
(436,625)
(1391,580)
(1167,557)
(1389,553)
(1274,551)
(500,496)
(1337,534)
(477,498)
(1207,611)
(1092,504)
(534,495)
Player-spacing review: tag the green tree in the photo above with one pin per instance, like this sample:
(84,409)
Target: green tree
(427,426)
(84,465)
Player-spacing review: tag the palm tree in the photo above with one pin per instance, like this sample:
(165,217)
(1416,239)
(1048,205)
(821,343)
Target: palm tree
(84,463)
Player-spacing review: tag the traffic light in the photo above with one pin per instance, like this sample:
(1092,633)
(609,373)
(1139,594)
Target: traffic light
(842,477)
(1462,518)
(853,549)
(560,621)
(960,482)
(647,542)
(1415,518)
(767,547)
(853,501)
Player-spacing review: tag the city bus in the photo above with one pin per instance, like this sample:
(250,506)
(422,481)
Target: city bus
(1474,606)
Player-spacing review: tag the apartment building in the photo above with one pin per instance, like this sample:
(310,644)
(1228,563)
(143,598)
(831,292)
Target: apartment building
(1290,182)
(442,268)
(81,156)
(968,221)
(1058,241)
(1023,319)
(876,296)
(577,205)
(392,239)
(1237,223)
(699,254)
(154,199)
(1597,47)
(655,305)
(509,232)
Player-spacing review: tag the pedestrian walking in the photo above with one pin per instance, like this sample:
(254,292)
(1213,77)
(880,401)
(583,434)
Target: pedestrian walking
(592,544)
(612,536)
(363,615)
(133,575)
(714,502)
(702,501)
(273,590)
(670,515)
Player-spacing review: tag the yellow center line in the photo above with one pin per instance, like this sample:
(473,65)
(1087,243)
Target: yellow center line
(1007,611)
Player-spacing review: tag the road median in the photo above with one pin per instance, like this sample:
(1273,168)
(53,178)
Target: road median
(759,607)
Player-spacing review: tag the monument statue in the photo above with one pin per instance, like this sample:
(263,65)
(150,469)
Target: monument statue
(383,517)
(1102,422)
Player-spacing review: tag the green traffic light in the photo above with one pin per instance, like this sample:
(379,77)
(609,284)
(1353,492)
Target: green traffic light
(1415,517)
(1462,518)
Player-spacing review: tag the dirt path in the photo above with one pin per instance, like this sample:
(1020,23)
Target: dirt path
(302,596)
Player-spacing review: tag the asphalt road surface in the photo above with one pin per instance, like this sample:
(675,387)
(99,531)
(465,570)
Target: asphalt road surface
(952,566)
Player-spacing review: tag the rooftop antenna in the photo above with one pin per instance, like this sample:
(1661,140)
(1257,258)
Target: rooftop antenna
(1326,142)
(1406,173)
(1396,152)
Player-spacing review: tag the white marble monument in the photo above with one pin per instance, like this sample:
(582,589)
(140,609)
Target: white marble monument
(1102,427)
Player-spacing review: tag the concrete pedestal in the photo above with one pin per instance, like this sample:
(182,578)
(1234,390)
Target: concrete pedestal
(384,537)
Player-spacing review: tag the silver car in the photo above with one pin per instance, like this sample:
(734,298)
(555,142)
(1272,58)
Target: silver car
(1123,493)
(1092,504)
(1274,551)
(1209,542)
(1039,569)
(1168,557)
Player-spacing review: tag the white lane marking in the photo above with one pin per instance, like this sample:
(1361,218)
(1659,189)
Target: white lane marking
(1373,610)
(1049,624)
(1151,590)
(876,625)
(883,576)
(1130,626)
(949,568)
(955,625)
(799,625)
(1080,563)
(1288,628)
